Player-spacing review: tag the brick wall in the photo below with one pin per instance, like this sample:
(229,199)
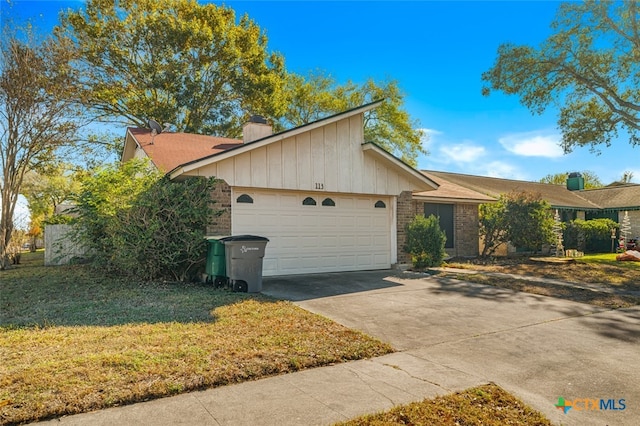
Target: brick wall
(405,214)
(466,230)
(221,196)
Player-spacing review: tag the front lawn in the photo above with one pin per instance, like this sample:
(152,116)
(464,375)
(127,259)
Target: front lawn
(72,340)
(484,405)
(599,270)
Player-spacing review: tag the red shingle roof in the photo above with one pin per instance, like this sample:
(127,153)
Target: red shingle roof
(169,150)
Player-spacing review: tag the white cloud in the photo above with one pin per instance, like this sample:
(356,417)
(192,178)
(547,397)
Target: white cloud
(533,144)
(499,169)
(429,137)
(465,152)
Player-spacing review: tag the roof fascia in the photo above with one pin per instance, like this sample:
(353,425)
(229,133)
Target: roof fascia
(452,200)
(128,136)
(187,167)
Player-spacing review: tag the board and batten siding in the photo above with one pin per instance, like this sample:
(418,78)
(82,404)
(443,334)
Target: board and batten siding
(329,158)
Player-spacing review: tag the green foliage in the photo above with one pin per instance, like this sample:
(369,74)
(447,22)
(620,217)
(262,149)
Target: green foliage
(588,68)
(162,234)
(425,242)
(583,234)
(176,61)
(137,222)
(529,219)
(388,126)
(111,189)
(492,226)
(591,180)
(523,219)
(59,219)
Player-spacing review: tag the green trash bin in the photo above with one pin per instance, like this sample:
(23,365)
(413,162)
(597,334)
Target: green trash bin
(216,268)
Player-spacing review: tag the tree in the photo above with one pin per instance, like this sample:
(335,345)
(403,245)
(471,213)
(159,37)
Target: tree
(45,190)
(36,117)
(627,177)
(529,220)
(175,61)
(521,218)
(591,180)
(589,69)
(389,126)
(492,226)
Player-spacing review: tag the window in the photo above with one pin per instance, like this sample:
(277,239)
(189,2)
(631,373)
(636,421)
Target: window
(244,198)
(328,202)
(309,202)
(380,205)
(444,213)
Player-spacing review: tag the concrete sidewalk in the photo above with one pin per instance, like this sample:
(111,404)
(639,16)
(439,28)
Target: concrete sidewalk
(319,396)
(451,335)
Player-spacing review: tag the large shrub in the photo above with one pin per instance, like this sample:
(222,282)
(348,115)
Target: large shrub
(162,234)
(587,234)
(139,223)
(103,194)
(425,242)
(522,218)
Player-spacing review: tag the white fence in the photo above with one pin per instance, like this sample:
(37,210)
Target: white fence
(59,247)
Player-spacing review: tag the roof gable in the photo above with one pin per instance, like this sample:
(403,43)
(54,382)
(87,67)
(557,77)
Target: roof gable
(215,157)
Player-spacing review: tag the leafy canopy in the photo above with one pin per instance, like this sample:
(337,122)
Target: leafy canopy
(389,126)
(589,69)
(175,61)
(521,218)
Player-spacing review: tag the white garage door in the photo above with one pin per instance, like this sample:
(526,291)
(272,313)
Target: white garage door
(316,232)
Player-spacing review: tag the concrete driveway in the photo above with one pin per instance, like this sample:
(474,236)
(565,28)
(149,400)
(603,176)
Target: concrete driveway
(536,347)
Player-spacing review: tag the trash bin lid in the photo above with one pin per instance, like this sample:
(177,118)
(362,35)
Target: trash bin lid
(244,238)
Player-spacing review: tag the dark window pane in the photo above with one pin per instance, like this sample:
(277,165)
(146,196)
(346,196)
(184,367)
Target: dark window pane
(244,198)
(309,202)
(444,213)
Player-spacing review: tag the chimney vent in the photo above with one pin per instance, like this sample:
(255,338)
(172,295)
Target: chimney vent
(256,128)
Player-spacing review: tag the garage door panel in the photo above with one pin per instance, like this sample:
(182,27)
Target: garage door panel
(352,235)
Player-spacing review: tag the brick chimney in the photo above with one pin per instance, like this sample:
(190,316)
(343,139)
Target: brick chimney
(256,128)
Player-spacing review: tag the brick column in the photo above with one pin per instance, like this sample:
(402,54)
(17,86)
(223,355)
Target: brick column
(221,197)
(405,214)
(467,231)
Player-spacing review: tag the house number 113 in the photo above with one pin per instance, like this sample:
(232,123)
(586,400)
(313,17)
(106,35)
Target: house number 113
(319,185)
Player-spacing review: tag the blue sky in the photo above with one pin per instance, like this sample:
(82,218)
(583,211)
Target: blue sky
(437,52)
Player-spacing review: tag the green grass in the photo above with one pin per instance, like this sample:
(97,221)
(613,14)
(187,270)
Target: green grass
(72,340)
(484,405)
(608,259)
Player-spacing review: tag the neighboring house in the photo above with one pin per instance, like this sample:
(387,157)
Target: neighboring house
(326,200)
(458,195)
